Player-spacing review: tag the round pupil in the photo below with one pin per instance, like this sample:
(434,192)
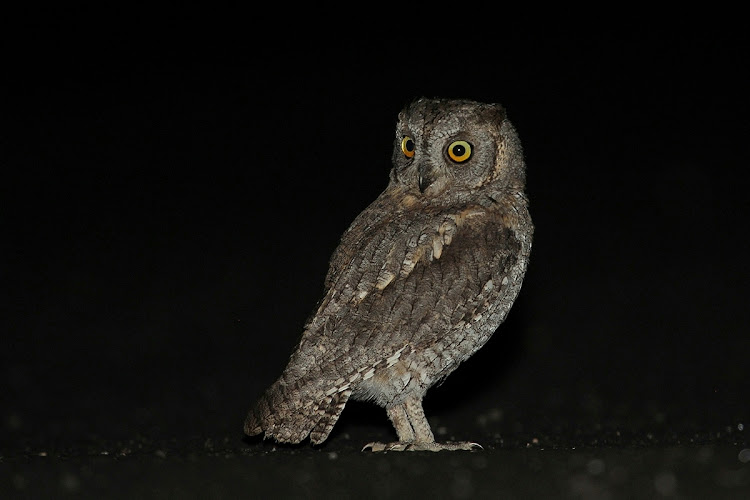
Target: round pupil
(459,150)
(409,145)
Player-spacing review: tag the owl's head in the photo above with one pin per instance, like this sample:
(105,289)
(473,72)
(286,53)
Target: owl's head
(457,145)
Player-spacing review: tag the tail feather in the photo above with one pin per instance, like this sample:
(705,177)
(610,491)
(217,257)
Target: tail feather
(330,411)
(288,418)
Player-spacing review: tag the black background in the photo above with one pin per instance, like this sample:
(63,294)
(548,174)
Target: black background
(170,204)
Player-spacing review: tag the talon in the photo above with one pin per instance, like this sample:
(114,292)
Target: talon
(374,447)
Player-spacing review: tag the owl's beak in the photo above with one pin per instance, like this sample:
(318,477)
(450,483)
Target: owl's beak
(423,177)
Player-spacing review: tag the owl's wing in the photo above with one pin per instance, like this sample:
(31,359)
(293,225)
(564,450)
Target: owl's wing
(413,280)
(409,280)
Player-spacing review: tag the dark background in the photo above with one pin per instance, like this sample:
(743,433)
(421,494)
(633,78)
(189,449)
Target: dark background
(169,207)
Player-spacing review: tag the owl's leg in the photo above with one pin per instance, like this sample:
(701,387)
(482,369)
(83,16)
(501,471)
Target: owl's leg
(418,420)
(404,430)
(424,439)
(400,421)
(414,432)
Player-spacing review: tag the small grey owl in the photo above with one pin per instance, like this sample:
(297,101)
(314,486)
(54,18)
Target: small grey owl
(419,282)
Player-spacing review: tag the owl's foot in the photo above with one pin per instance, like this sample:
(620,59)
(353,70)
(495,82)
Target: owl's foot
(428,446)
(376,447)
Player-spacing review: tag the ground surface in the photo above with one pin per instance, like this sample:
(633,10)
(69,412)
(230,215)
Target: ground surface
(168,219)
(653,472)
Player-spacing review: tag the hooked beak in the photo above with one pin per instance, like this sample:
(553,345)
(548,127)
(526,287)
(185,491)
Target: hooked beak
(423,177)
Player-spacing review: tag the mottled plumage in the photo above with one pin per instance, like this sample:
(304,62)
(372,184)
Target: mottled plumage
(420,281)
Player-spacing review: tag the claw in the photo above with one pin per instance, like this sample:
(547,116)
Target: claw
(376,447)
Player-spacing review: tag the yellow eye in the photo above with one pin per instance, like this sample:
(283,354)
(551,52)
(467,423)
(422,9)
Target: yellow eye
(459,151)
(407,146)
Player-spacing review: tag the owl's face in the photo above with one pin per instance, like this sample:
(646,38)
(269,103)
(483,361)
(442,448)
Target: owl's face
(452,144)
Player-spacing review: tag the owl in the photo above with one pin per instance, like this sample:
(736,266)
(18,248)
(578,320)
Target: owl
(419,282)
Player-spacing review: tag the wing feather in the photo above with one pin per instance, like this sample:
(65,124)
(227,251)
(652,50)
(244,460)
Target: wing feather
(408,280)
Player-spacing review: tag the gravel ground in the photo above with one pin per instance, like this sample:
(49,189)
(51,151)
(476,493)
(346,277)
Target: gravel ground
(225,469)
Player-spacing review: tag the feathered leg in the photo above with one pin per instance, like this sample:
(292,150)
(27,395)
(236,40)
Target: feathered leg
(414,432)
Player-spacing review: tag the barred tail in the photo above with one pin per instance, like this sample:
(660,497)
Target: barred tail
(288,417)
